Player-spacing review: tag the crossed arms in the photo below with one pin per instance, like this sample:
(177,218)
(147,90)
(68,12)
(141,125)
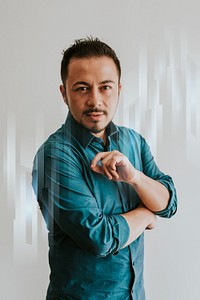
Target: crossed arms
(153,194)
(66,197)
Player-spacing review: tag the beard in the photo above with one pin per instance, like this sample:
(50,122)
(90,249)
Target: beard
(94,128)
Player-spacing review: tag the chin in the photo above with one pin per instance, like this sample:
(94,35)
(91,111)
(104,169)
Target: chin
(94,129)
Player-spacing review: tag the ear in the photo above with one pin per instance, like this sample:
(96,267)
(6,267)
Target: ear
(119,88)
(64,94)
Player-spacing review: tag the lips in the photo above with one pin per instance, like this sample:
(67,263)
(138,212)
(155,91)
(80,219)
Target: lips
(95,116)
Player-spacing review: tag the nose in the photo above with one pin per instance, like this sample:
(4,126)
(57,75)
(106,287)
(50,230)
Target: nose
(94,98)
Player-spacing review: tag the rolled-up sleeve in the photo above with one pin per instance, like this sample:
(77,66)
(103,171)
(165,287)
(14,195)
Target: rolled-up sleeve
(59,185)
(150,169)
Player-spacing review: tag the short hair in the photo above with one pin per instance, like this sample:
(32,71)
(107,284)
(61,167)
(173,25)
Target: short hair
(87,47)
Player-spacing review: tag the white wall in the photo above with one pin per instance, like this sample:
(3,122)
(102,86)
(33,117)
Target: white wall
(159,48)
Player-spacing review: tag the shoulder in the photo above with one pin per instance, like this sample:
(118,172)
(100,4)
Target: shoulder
(58,146)
(130,134)
(132,142)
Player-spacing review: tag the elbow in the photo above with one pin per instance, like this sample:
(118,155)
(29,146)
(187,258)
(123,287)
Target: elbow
(101,249)
(101,244)
(166,214)
(169,211)
(108,237)
(171,207)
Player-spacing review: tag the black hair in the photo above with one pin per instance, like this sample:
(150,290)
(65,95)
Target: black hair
(88,47)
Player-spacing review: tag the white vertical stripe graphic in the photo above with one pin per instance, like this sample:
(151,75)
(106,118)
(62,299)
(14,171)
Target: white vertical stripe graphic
(161,100)
(11,162)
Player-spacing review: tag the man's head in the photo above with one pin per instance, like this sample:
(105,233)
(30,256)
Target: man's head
(91,86)
(89,47)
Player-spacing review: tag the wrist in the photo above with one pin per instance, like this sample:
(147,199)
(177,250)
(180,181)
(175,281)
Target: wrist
(148,214)
(136,179)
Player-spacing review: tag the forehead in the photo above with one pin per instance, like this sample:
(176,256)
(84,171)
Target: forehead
(92,66)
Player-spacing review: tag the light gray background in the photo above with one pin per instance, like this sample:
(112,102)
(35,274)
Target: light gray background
(159,47)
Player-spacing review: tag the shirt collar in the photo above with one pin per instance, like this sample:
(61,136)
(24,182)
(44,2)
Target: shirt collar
(84,136)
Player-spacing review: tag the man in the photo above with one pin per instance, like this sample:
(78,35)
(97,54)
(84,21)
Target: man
(97,185)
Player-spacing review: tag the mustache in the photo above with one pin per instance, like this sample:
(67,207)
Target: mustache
(95,110)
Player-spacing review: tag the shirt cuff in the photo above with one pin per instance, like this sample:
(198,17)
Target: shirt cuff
(121,231)
(171,208)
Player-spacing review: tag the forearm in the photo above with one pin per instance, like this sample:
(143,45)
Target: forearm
(152,193)
(138,220)
(116,166)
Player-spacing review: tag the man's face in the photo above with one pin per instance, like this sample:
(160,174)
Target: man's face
(92,92)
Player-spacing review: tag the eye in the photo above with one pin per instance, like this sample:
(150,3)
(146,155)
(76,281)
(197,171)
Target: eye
(106,87)
(81,89)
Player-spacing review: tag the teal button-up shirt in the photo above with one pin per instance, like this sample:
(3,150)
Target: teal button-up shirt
(82,212)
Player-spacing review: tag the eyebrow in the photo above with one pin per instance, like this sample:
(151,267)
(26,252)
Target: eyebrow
(80,82)
(86,83)
(107,81)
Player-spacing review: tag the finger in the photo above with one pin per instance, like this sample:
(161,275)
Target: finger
(98,158)
(104,157)
(150,226)
(108,169)
(114,174)
(107,173)
(109,162)
(111,167)
(102,170)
